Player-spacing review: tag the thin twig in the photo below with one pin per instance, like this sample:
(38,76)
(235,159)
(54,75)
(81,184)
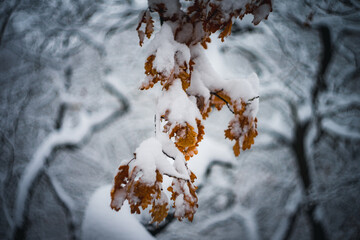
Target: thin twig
(252,99)
(168,155)
(226,102)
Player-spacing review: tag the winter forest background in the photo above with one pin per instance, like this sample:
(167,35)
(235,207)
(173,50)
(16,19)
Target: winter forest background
(71,111)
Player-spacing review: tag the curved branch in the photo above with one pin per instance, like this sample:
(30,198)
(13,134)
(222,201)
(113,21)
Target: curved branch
(65,137)
(280,138)
(8,14)
(168,155)
(335,111)
(7,179)
(65,202)
(286,226)
(226,102)
(287,100)
(210,167)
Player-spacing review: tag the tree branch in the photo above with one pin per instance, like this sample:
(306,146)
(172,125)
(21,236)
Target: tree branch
(226,102)
(65,202)
(7,18)
(286,226)
(65,137)
(6,181)
(280,138)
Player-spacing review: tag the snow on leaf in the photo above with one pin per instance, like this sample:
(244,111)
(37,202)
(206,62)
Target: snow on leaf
(149,26)
(190,89)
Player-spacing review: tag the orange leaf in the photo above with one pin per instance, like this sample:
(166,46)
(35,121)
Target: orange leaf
(227,31)
(236,148)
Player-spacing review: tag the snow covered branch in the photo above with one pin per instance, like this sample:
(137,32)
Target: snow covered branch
(293,208)
(66,202)
(236,213)
(191,89)
(8,14)
(8,176)
(66,136)
(222,99)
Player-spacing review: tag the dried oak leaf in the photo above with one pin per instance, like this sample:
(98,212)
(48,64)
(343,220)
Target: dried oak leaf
(141,194)
(236,148)
(185,136)
(184,76)
(159,209)
(226,32)
(151,73)
(204,41)
(241,127)
(219,98)
(118,192)
(250,136)
(186,139)
(149,26)
(187,191)
(204,108)
(159,212)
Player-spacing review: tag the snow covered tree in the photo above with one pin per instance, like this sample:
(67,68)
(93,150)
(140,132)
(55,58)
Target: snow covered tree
(36,55)
(70,67)
(319,112)
(190,89)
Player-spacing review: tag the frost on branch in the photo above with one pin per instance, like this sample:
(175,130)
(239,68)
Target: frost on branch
(190,90)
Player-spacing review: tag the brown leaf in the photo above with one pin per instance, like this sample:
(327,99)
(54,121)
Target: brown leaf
(149,28)
(236,148)
(159,212)
(120,182)
(227,31)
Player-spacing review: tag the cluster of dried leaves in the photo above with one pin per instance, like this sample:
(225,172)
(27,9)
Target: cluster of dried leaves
(138,194)
(241,128)
(203,17)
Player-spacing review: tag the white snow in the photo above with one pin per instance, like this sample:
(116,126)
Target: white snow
(228,6)
(182,109)
(67,134)
(165,47)
(340,130)
(261,13)
(101,222)
(62,194)
(204,80)
(172,6)
(180,206)
(149,158)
